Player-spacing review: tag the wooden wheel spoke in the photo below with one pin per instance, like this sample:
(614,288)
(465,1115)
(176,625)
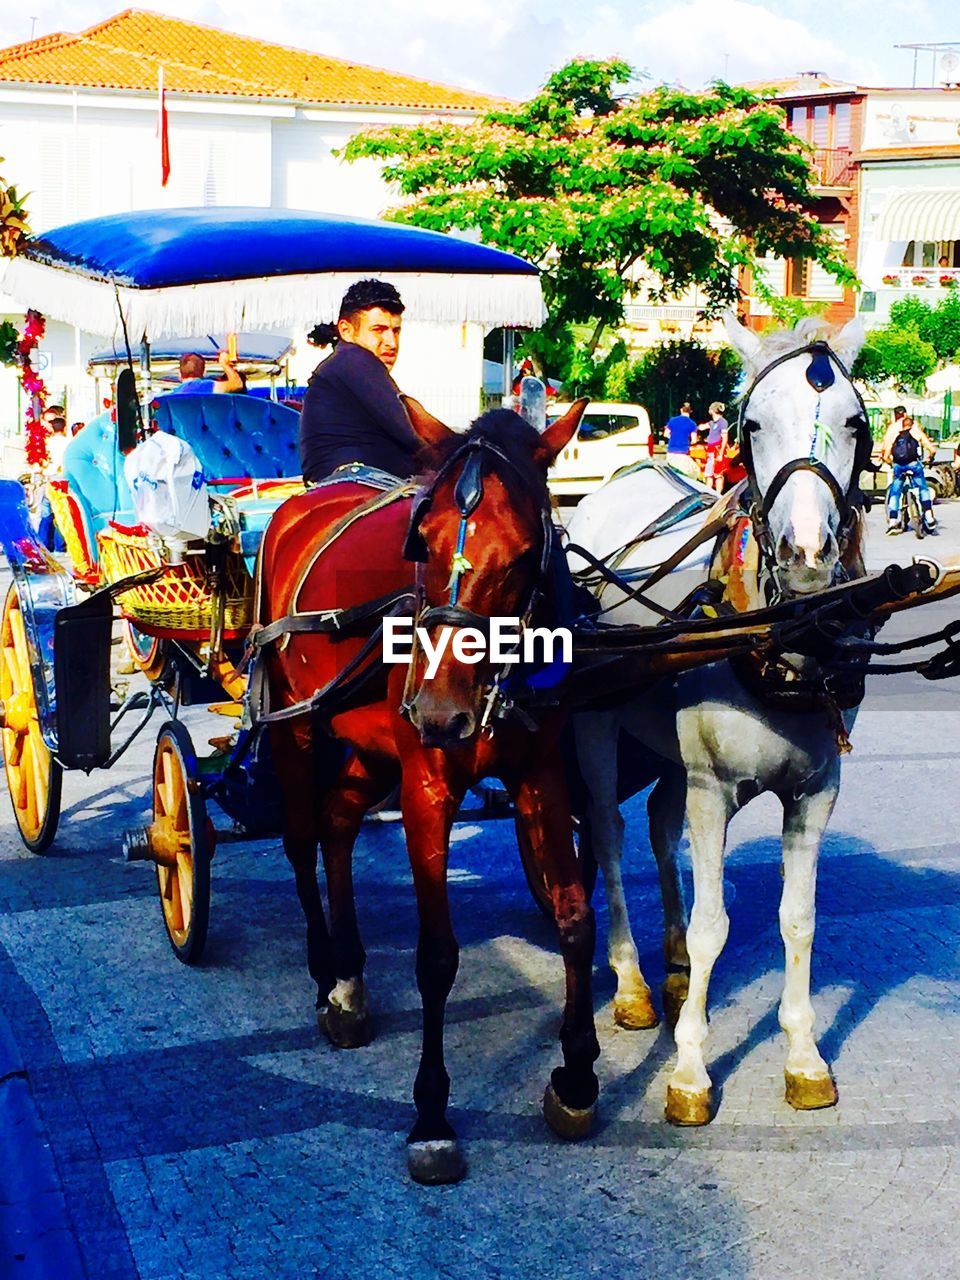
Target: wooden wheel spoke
(41,766)
(165,789)
(28,774)
(185,886)
(20,648)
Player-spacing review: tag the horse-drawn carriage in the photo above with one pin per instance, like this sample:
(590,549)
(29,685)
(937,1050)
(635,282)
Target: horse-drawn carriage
(475,539)
(185,610)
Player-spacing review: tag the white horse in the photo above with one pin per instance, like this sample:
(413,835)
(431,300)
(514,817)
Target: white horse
(711,742)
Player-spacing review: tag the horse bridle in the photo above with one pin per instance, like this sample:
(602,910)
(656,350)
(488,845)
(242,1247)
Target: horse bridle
(820,375)
(468,494)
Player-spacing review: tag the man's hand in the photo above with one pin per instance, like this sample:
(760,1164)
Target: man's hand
(231,380)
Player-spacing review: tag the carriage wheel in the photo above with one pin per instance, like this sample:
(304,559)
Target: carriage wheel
(34,777)
(181,843)
(535,881)
(148,653)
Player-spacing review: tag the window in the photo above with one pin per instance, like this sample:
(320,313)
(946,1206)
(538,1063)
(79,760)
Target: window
(597,426)
(821,126)
(797,121)
(841,125)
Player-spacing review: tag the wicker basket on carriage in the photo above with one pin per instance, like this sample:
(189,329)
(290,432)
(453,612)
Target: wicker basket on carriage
(180,602)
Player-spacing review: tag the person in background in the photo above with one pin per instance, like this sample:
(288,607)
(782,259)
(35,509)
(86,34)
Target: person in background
(716,445)
(903,447)
(678,433)
(193,382)
(57,442)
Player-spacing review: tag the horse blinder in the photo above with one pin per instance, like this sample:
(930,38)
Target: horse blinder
(414,547)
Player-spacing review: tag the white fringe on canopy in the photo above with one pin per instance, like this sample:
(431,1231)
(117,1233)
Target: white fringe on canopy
(296,301)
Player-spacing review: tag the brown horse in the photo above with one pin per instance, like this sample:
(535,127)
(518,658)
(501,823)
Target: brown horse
(480,529)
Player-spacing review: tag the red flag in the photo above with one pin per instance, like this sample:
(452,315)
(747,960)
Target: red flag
(163,130)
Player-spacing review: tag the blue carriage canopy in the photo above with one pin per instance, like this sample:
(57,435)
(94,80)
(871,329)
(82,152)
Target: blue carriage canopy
(253,348)
(183,272)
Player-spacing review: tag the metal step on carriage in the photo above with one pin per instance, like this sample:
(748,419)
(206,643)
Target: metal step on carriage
(186,610)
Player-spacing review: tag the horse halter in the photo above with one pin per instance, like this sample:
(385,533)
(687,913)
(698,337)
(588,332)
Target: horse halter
(820,375)
(468,493)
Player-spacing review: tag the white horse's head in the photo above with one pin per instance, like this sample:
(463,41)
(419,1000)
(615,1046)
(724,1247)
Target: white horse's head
(804,440)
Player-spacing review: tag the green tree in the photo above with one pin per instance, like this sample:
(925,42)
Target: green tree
(588,181)
(938,325)
(667,375)
(897,355)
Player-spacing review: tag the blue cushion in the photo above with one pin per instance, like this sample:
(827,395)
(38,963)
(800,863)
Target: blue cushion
(93,466)
(234,435)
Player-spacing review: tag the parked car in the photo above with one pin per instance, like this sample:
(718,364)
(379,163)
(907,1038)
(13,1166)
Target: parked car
(610,437)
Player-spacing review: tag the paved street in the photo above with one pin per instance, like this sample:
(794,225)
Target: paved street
(201,1128)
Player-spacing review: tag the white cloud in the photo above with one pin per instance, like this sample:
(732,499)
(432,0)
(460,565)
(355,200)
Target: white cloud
(734,40)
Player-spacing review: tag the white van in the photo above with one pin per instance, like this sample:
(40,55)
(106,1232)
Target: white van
(609,438)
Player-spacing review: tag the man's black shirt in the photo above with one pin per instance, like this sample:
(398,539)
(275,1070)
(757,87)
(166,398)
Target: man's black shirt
(352,412)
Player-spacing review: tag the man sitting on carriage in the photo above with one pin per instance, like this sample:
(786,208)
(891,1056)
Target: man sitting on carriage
(352,410)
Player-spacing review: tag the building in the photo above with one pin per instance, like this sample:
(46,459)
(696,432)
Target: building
(909,166)
(250,123)
(828,114)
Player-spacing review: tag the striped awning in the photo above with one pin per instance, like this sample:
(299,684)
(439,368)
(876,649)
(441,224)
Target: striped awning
(921,215)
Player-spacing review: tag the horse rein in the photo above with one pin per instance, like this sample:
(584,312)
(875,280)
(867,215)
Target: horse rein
(468,494)
(820,375)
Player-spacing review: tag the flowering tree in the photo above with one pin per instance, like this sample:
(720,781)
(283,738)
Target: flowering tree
(587,181)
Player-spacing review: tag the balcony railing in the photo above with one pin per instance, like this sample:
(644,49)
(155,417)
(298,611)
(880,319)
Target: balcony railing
(832,167)
(921,278)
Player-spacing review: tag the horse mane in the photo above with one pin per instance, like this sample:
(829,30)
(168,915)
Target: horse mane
(784,341)
(515,438)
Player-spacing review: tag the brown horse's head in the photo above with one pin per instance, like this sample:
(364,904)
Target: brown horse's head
(481,529)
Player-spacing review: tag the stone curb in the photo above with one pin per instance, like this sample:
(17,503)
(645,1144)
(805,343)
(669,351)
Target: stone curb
(36,1238)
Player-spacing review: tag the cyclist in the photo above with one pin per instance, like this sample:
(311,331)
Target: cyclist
(903,446)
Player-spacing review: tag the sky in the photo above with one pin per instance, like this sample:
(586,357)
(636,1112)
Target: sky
(510,46)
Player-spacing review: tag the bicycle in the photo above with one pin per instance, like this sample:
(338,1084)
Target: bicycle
(911,509)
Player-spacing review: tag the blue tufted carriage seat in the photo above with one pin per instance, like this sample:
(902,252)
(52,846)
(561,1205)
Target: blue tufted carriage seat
(234,436)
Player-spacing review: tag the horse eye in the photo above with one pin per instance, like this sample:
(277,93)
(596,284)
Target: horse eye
(751,425)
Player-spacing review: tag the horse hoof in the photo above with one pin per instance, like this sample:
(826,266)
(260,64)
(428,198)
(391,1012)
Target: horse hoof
(810,1093)
(688,1107)
(345,1029)
(635,1013)
(571,1123)
(436,1162)
(675,989)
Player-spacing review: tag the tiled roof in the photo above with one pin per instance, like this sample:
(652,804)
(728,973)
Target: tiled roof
(808,84)
(125,52)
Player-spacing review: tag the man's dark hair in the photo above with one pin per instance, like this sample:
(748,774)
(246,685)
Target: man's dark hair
(367,294)
(58,425)
(56,409)
(899,411)
(192,365)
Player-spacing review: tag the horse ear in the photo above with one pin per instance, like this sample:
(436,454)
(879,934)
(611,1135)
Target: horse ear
(849,340)
(430,429)
(559,433)
(743,340)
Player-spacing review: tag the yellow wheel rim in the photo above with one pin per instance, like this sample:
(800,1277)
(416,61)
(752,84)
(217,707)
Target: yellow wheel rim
(172,818)
(26,757)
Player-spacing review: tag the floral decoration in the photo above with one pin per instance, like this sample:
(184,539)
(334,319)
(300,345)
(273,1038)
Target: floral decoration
(34,327)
